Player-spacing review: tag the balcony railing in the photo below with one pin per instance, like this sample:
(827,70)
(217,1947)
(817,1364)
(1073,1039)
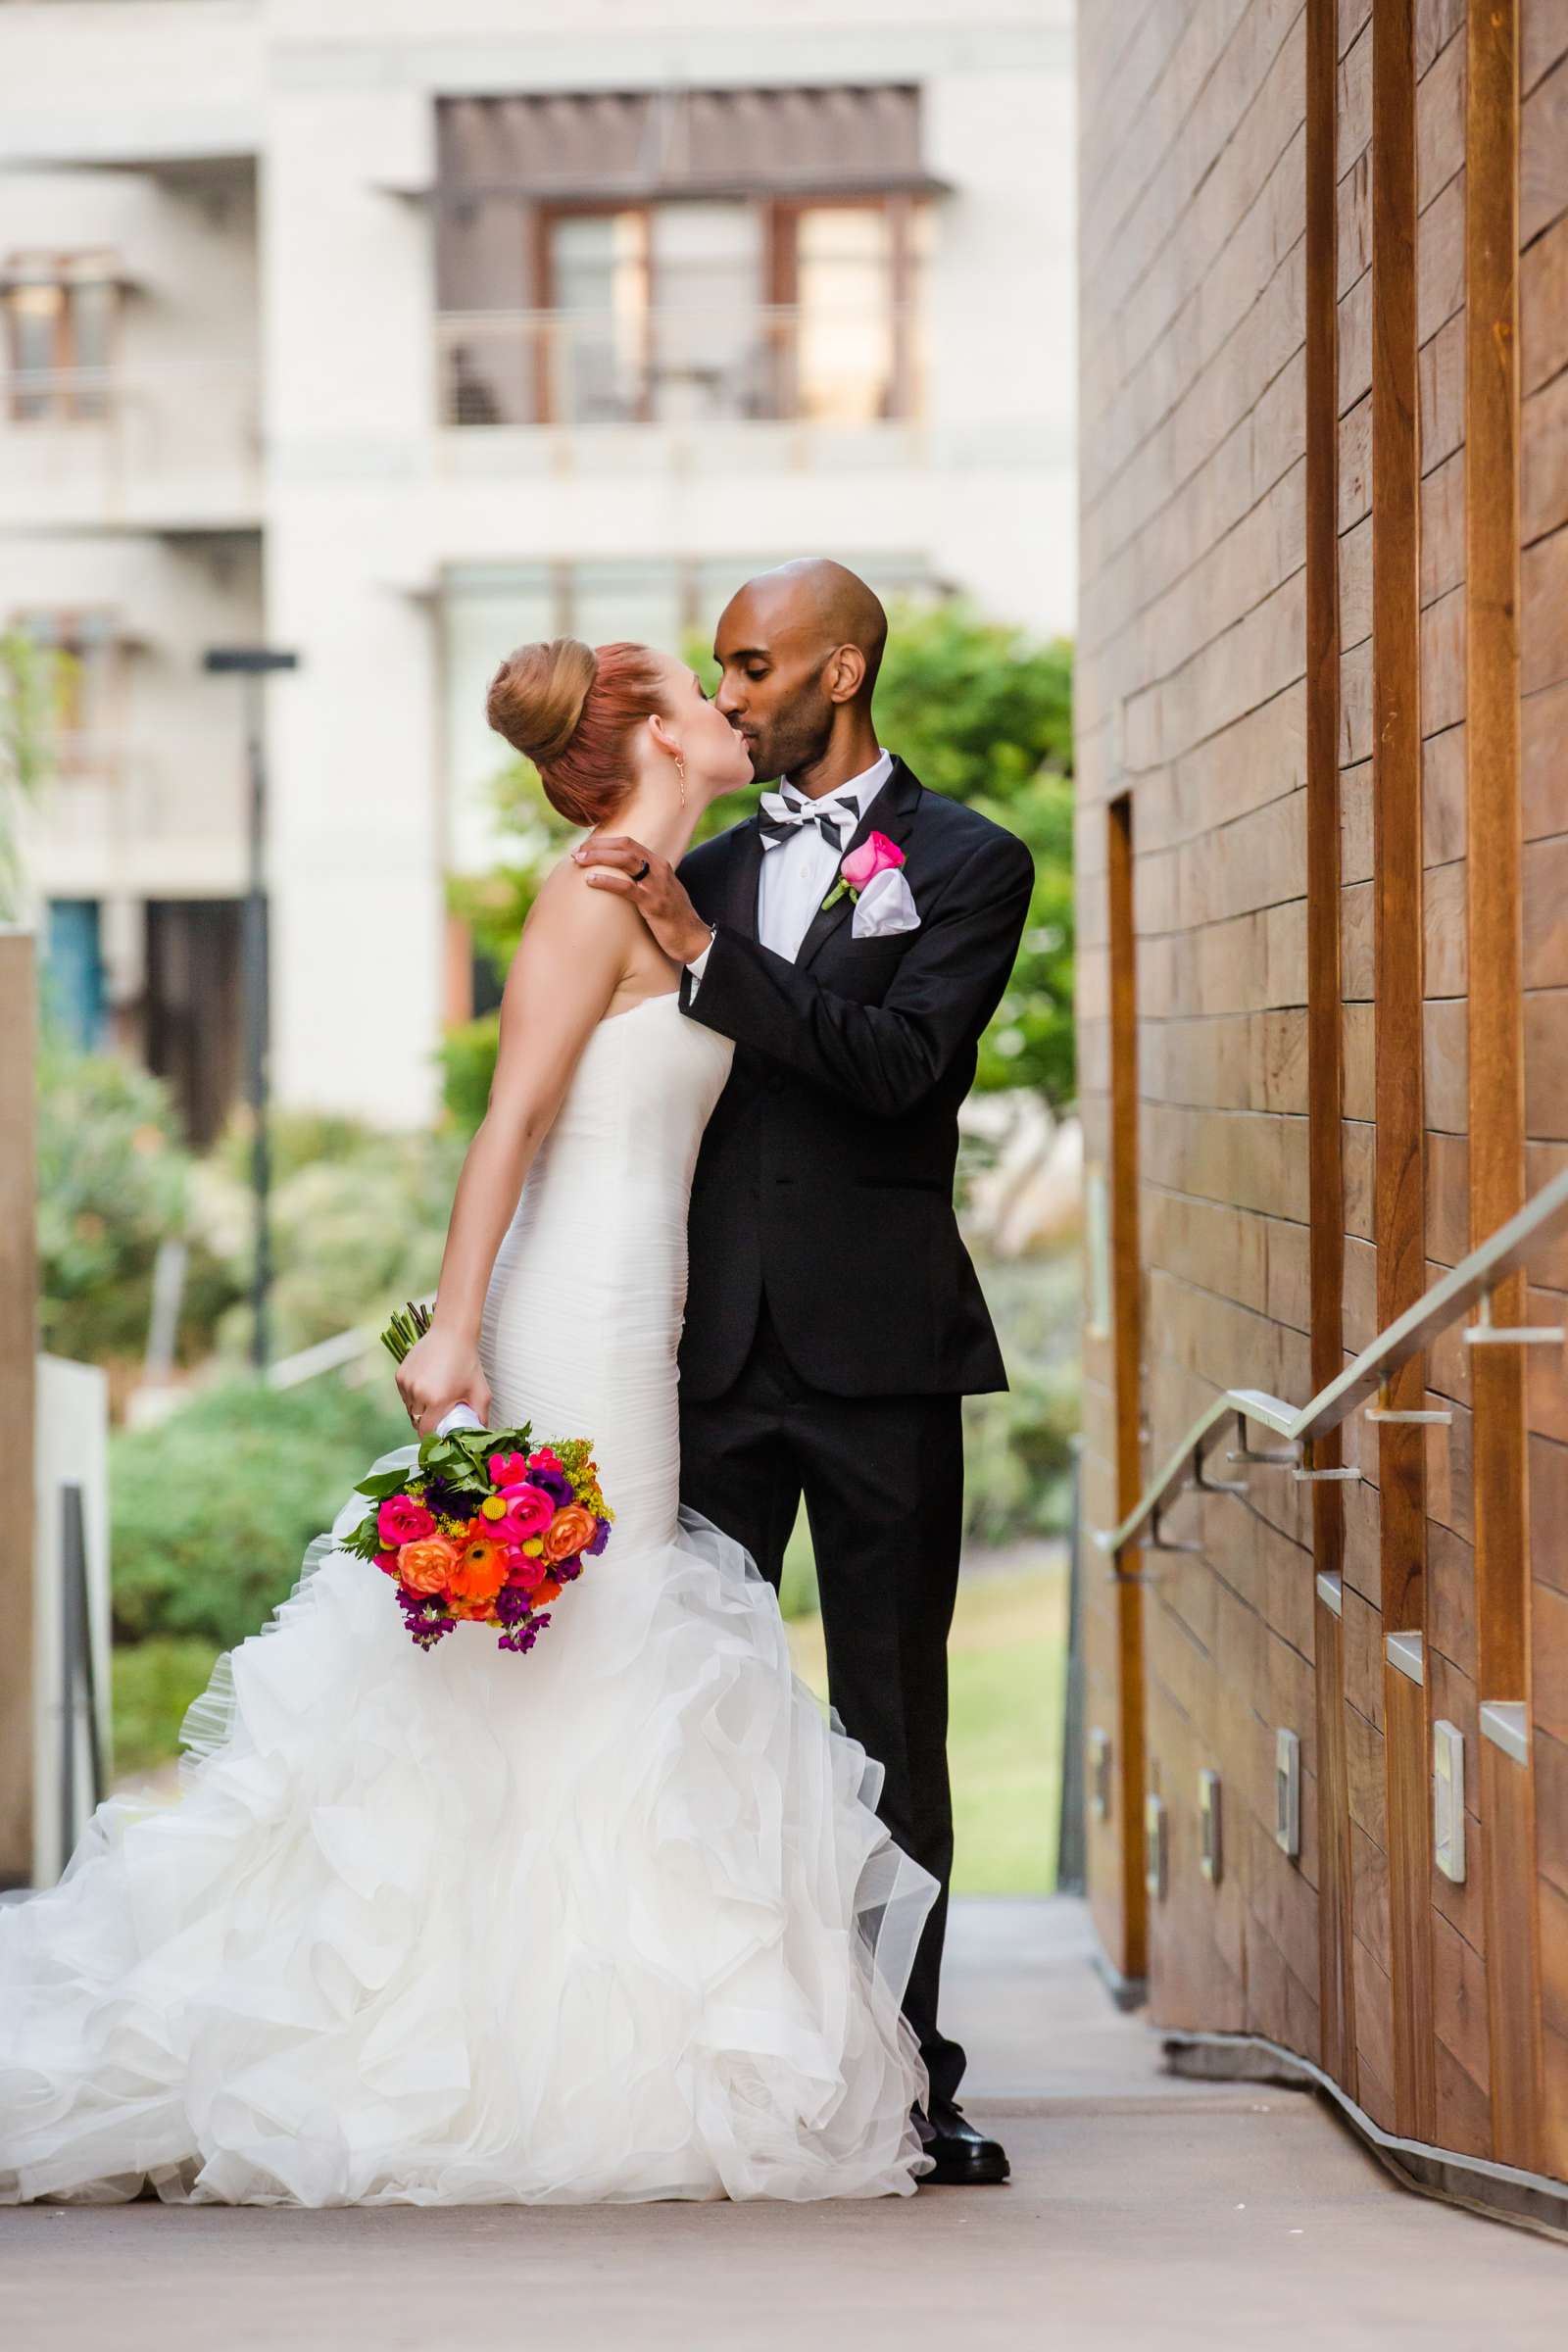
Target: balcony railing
(180,444)
(679,366)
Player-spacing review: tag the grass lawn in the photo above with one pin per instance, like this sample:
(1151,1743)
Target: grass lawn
(1007,1656)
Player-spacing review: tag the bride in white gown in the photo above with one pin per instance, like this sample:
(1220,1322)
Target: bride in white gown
(612,1921)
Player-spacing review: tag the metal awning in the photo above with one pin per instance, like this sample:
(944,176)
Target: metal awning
(596,146)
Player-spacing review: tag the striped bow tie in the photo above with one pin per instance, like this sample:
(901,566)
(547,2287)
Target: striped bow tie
(785,813)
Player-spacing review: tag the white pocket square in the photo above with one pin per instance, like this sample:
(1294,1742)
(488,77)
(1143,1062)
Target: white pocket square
(885,907)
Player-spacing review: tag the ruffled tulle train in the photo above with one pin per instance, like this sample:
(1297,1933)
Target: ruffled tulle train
(615,1921)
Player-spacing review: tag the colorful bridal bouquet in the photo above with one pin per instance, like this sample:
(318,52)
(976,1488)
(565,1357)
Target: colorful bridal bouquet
(486,1527)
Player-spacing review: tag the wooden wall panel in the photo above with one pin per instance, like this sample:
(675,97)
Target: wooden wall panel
(1327,367)
(1127,1342)
(1543,323)
(1404,300)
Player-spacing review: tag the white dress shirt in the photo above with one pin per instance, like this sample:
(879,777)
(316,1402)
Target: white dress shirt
(799,872)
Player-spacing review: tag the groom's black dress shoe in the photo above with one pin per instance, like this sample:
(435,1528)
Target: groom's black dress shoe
(962,2156)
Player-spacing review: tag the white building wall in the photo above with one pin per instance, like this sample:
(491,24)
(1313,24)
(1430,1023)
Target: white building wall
(363,503)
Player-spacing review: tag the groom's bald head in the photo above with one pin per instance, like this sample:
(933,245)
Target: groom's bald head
(800,647)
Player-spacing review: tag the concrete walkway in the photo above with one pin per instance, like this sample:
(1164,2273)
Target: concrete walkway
(1144,2212)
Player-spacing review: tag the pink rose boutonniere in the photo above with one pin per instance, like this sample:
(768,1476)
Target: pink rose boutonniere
(872,875)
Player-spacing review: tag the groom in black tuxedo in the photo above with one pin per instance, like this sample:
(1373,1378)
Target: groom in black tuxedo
(834,1321)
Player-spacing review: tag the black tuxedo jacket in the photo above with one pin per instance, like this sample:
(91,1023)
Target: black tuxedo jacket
(825,1177)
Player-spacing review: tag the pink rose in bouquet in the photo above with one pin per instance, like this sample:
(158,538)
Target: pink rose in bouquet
(530,1511)
(400,1520)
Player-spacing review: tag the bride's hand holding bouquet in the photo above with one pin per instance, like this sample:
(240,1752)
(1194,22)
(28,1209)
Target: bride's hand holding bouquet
(439,1371)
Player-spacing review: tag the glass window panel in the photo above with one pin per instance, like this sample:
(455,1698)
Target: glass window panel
(86,675)
(90,335)
(487,610)
(61,319)
(708,358)
(598,340)
(33,315)
(641,601)
(845,347)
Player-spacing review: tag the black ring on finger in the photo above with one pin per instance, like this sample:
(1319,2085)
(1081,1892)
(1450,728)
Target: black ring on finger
(644,870)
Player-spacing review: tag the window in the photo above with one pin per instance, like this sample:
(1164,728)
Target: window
(855,271)
(59,314)
(681,256)
(87,685)
(683,313)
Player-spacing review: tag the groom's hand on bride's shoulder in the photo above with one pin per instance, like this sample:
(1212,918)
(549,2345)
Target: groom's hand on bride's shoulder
(620,864)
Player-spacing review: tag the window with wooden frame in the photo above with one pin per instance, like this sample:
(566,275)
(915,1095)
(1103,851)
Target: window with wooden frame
(87,685)
(61,315)
(680,257)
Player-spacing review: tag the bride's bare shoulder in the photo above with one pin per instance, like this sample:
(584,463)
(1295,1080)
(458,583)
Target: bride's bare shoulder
(568,906)
(575,938)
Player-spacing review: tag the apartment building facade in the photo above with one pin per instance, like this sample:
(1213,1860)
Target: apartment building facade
(393,338)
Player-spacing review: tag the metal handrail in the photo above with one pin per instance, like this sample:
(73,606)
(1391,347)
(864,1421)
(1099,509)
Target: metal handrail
(1474,1278)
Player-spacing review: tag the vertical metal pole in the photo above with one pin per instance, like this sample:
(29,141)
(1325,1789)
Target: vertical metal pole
(78,1684)
(258,1025)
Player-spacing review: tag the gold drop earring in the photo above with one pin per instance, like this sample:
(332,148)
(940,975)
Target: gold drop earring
(680,770)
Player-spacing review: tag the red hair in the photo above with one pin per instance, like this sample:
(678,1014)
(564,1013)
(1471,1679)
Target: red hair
(573,711)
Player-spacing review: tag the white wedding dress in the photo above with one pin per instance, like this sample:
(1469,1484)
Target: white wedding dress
(614,1920)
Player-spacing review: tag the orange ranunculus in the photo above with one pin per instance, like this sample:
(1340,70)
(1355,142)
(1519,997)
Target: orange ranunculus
(568,1530)
(543,1592)
(473,1612)
(480,1570)
(425,1565)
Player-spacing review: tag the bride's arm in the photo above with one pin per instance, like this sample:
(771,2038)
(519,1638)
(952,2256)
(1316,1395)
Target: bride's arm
(567,968)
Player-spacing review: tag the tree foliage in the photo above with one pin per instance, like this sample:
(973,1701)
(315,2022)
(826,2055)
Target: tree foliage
(981,711)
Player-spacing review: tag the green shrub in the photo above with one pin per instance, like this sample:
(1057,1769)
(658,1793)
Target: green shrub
(153,1685)
(114,1182)
(468,1066)
(359,1221)
(1017,1455)
(214,1507)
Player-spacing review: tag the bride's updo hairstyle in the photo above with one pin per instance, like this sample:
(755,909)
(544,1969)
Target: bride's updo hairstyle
(573,711)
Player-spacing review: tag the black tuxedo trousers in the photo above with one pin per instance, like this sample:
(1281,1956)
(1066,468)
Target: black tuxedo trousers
(883,1483)
(833,1319)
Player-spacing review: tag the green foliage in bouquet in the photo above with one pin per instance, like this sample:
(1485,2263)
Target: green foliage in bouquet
(981,711)
(114,1181)
(214,1507)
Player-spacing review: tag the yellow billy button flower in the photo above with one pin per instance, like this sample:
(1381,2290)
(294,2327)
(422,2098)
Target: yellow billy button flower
(535,1546)
(493,1507)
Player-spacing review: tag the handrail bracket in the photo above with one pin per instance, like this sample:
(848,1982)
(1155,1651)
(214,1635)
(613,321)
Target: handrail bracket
(1487,1334)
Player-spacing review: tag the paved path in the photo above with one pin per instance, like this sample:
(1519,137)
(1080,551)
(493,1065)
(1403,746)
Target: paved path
(1143,2213)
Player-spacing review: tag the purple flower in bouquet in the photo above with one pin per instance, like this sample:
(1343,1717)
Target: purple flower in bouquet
(522,1638)
(600,1536)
